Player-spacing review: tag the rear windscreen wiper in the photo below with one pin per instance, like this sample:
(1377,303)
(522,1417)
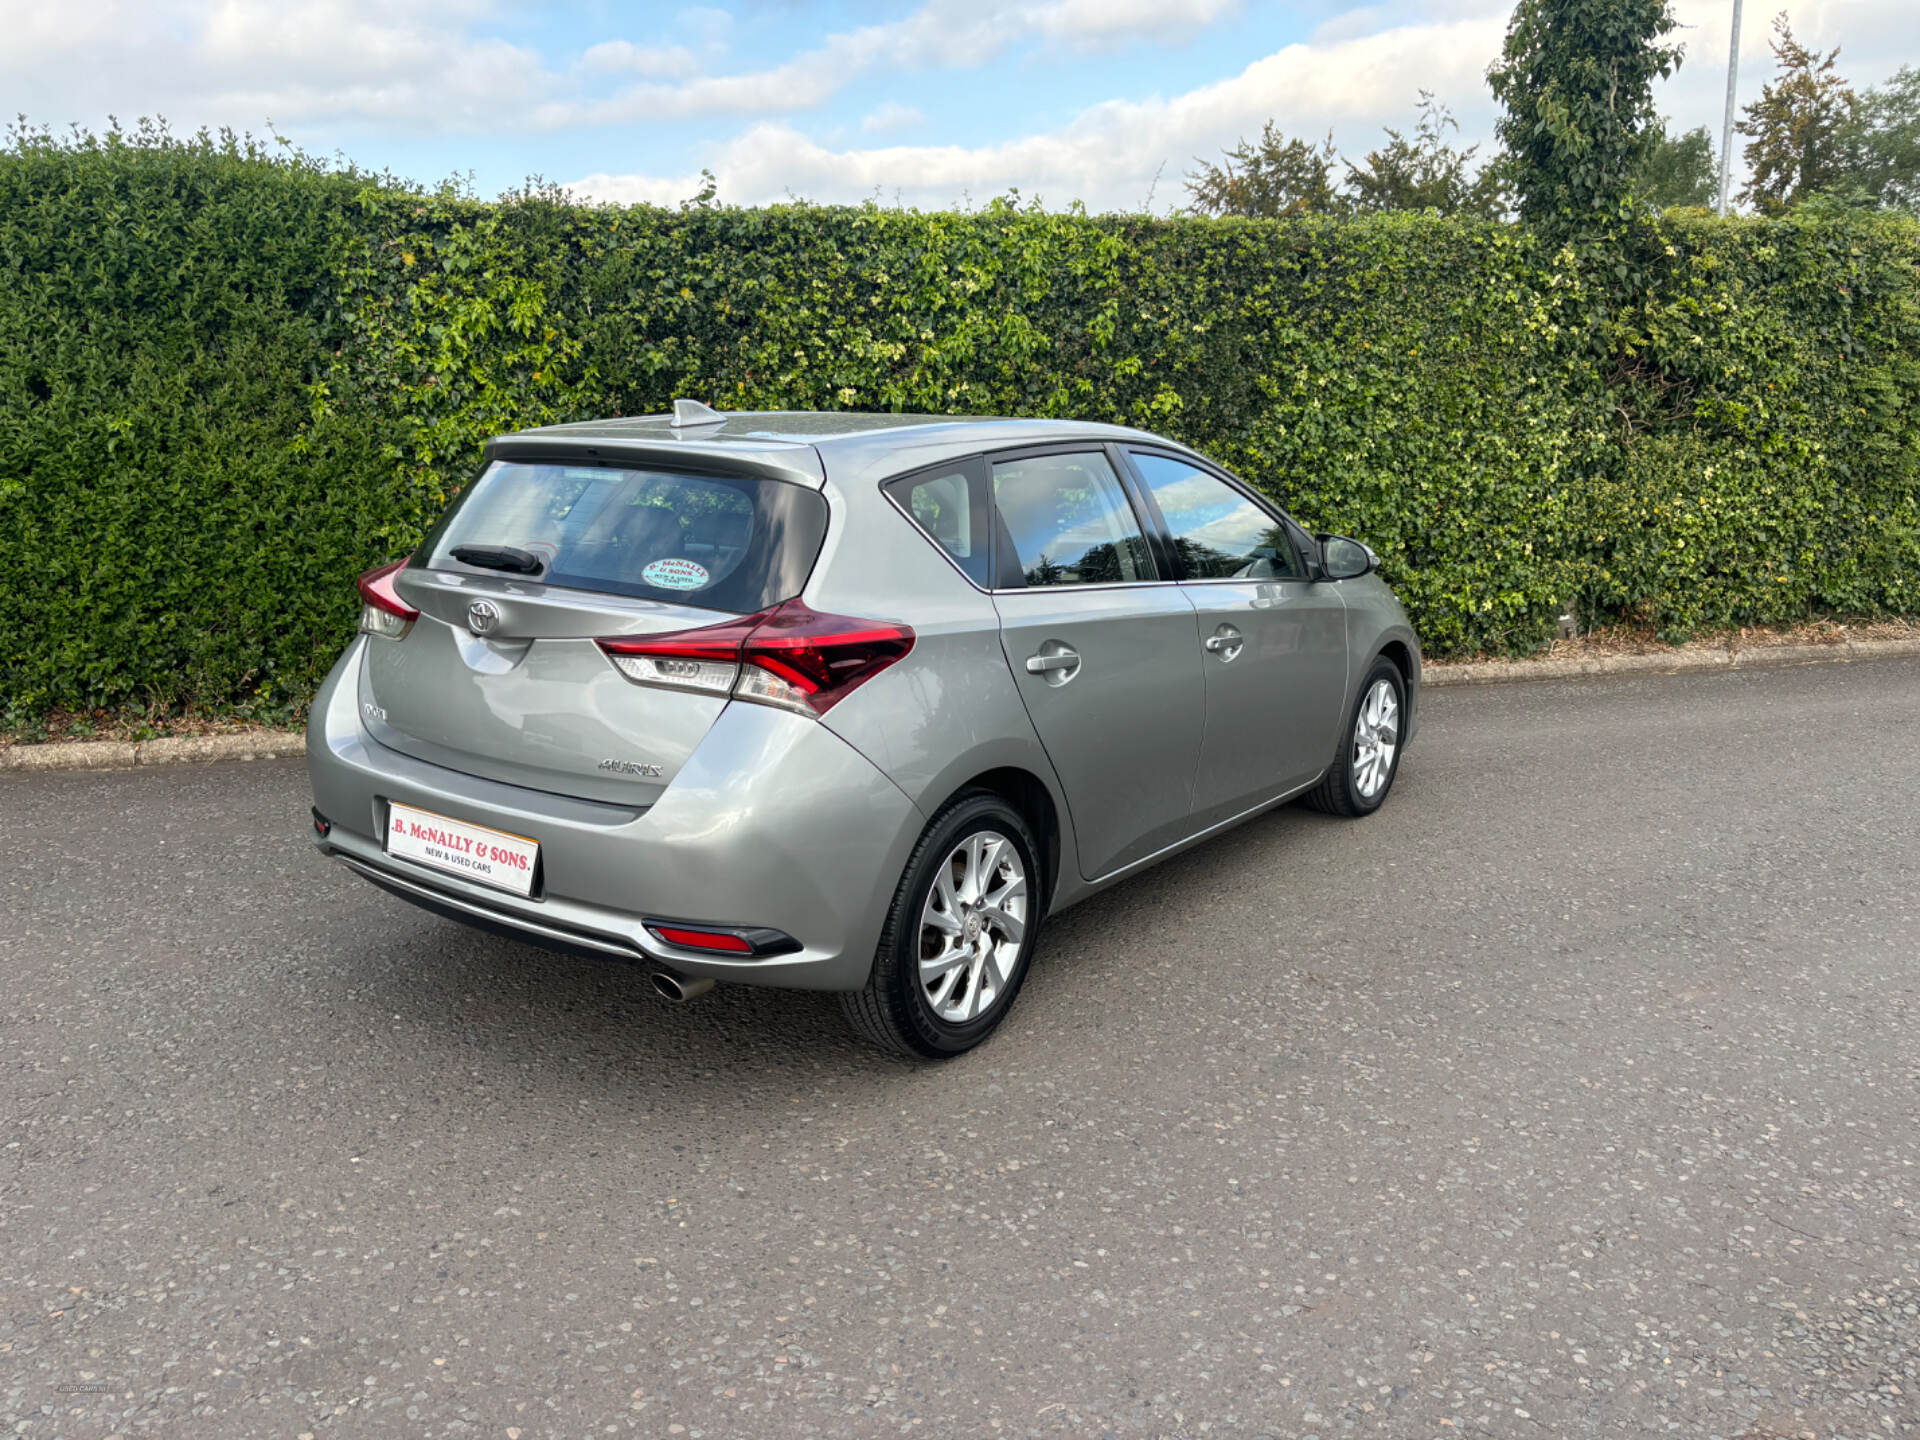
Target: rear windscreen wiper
(499,557)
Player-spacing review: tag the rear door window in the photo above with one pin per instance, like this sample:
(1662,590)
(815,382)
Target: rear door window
(720,542)
(1065,520)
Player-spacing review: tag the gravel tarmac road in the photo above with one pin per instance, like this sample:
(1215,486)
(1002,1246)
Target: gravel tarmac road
(1576,1093)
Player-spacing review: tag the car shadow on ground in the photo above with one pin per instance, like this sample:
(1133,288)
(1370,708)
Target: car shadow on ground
(519,1016)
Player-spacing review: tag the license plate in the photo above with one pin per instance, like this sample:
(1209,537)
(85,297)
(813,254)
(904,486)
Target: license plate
(493,857)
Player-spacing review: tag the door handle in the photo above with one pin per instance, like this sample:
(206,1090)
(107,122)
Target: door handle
(1056,663)
(1225,642)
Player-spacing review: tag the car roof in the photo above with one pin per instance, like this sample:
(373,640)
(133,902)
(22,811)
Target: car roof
(793,444)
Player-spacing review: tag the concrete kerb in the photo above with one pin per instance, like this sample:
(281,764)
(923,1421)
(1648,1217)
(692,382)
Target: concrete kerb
(1757,657)
(289,744)
(168,750)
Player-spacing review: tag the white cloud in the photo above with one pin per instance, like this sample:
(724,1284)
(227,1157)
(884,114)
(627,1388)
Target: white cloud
(941,34)
(1360,71)
(430,65)
(623,57)
(1876,38)
(891,118)
(666,191)
(39,33)
(344,67)
(1097,20)
(704,25)
(240,62)
(799,84)
(1110,155)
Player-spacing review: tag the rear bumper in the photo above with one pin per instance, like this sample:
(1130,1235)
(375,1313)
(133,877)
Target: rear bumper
(773,821)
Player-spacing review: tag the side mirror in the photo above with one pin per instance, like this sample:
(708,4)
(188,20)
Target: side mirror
(1344,559)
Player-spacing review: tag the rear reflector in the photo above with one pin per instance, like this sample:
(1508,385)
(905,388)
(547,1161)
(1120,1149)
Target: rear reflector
(791,656)
(382,611)
(702,939)
(756,940)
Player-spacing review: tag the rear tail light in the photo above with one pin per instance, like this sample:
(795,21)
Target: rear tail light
(707,659)
(382,611)
(807,661)
(791,656)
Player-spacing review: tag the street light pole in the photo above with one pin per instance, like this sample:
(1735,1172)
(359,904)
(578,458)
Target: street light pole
(1726,124)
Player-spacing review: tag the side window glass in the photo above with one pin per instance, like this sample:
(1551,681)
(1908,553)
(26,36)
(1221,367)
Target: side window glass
(952,508)
(1218,533)
(1066,521)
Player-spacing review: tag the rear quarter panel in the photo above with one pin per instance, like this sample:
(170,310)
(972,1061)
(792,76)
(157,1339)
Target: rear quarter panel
(949,711)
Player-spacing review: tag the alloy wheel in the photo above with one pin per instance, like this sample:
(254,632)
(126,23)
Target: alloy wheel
(1376,735)
(972,927)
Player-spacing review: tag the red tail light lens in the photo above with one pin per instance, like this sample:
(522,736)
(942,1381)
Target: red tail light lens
(810,662)
(791,656)
(707,659)
(382,611)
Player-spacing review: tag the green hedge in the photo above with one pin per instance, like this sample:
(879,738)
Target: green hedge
(229,380)
(174,529)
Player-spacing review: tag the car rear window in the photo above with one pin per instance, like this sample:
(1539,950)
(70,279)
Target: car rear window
(721,542)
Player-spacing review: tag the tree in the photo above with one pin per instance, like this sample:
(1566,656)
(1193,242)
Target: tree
(1274,178)
(1426,172)
(1884,141)
(1800,127)
(1576,78)
(1679,170)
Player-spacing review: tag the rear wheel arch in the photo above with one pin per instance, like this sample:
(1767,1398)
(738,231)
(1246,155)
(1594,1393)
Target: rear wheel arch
(1028,794)
(977,860)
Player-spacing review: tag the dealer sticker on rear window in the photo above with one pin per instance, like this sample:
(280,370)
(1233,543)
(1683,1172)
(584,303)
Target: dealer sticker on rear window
(675,574)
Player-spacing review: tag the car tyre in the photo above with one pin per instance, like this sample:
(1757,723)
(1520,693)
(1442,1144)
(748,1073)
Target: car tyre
(959,934)
(1357,782)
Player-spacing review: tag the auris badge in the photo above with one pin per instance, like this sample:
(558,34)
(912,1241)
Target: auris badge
(631,767)
(483,617)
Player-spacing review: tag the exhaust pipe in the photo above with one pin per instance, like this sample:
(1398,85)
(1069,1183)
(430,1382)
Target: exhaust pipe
(672,987)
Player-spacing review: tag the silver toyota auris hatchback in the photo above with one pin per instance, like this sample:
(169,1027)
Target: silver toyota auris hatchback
(843,702)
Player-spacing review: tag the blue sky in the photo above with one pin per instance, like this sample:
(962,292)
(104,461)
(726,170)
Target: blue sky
(934,103)
(999,92)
